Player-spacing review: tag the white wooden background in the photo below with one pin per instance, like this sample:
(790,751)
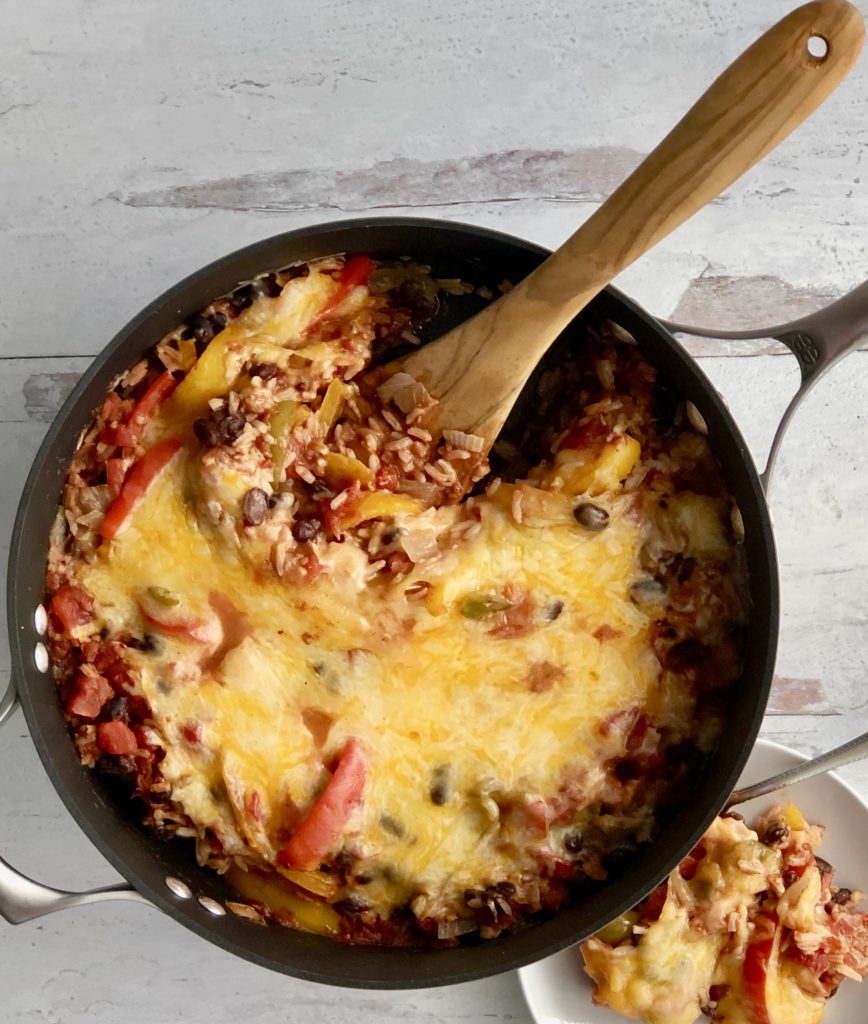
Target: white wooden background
(140,139)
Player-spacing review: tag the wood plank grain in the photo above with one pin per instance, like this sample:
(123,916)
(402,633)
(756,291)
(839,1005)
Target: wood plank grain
(582,176)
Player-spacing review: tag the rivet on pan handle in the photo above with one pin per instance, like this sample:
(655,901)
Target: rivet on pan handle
(817,341)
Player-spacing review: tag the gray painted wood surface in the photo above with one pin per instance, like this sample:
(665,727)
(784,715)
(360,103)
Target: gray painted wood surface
(141,140)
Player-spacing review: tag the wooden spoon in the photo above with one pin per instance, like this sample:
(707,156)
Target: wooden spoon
(477,370)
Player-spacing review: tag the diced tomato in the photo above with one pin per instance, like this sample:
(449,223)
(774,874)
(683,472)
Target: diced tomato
(321,828)
(71,606)
(115,471)
(652,908)
(127,434)
(386,478)
(687,868)
(138,480)
(756,968)
(116,738)
(89,693)
(192,732)
(122,436)
(175,623)
(157,393)
(356,271)
(585,435)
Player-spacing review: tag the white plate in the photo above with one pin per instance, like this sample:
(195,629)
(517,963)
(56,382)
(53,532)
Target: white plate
(558,991)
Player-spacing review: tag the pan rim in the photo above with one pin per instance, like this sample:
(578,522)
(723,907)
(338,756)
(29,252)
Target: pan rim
(499,955)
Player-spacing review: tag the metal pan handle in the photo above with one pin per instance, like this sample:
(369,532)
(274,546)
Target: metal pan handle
(817,341)
(21,898)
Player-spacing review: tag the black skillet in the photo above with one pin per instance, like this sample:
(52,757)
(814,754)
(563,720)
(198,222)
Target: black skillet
(194,896)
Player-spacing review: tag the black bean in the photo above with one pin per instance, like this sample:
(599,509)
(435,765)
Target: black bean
(776,835)
(120,767)
(474,897)
(686,655)
(391,825)
(264,371)
(411,296)
(352,905)
(505,889)
(439,788)
(842,896)
(592,517)
(255,506)
(573,841)
(305,529)
(203,328)
(270,286)
(231,427)
(789,877)
(207,432)
(243,297)
(824,867)
(118,709)
(553,610)
(149,643)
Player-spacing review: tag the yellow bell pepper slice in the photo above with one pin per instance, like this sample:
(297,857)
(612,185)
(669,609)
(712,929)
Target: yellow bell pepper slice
(209,377)
(794,818)
(317,882)
(285,417)
(379,504)
(279,895)
(331,406)
(341,469)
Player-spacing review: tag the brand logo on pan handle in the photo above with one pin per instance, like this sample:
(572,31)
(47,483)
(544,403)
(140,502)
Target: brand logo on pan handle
(804,348)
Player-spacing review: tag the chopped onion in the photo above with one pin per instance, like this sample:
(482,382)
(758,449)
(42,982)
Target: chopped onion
(411,397)
(420,543)
(397,382)
(452,929)
(458,439)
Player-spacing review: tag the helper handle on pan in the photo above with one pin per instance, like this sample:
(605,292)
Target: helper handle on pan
(817,341)
(22,899)
(8,702)
(477,369)
(847,753)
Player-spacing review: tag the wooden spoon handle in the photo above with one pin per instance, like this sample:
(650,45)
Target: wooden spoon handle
(478,369)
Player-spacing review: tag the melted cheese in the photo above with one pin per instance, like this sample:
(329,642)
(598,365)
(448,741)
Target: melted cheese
(510,723)
(418,683)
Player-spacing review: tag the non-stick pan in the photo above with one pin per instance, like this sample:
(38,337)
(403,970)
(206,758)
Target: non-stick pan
(165,875)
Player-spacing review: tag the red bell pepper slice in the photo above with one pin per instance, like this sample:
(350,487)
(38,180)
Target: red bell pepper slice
(89,694)
(356,271)
(756,967)
(156,394)
(115,471)
(138,480)
(586,435)
(71,606)
(116,738)
(321,828)
(128,433)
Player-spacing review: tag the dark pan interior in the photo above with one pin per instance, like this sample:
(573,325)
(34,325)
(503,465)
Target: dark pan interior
(480,257)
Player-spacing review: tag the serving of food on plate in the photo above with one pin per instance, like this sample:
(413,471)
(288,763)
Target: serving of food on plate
(395,695)
(753,926)
(749,928)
